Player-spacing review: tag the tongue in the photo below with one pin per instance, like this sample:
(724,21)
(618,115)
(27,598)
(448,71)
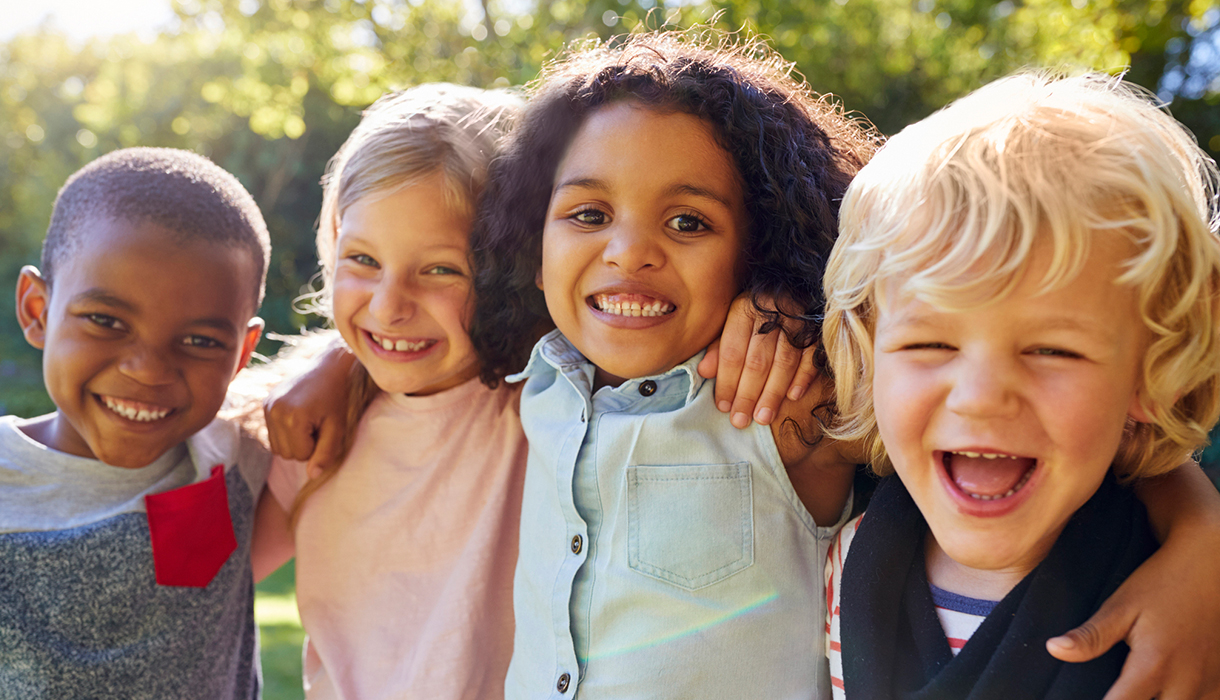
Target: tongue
(986,477)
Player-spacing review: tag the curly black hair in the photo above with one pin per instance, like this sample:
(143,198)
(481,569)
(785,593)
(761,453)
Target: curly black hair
(795,152)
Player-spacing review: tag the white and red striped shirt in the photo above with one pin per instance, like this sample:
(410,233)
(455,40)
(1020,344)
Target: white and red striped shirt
(959,615)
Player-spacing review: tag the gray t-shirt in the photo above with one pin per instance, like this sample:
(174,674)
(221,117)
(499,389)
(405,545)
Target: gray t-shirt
(82,614)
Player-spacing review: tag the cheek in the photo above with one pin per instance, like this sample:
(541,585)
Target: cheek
(552,275)
(453,309)
(902,407)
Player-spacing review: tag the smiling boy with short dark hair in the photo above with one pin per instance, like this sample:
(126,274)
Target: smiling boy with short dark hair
(127,513)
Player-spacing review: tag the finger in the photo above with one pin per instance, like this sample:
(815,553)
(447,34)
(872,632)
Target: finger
(760,355)
(734,345)
(1109,625)
(806,372)
(328,450)
(784,366)
(272,433)
(1084,643)
(300,441)
(707,366)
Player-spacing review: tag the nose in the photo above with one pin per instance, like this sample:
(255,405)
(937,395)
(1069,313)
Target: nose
(393,301)
(983,387)
(632,248)
(148,366)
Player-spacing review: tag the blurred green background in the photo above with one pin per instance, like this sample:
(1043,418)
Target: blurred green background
(270,88)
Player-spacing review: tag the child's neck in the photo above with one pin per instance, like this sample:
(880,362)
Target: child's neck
(603,378)
(946,573)
(52,430)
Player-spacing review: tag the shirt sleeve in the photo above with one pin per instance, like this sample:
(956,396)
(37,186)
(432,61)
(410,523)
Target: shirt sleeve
(285,480)
(833,572)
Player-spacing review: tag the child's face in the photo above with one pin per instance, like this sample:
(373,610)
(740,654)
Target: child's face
(402,289)
(1002,421)
(141,335)
(642,238)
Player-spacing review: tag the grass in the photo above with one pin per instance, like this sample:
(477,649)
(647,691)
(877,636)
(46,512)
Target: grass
(279,626)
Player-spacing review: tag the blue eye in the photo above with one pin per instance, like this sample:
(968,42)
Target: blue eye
(443,270)
(687,223)
(362,259)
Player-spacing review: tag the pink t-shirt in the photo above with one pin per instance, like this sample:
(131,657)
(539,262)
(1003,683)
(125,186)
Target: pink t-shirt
(405,558)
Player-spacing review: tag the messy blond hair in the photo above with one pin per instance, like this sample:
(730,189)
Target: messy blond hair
(955,205)
(403,139)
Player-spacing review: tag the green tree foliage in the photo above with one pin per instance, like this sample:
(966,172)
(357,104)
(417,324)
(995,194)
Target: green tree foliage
(270,88)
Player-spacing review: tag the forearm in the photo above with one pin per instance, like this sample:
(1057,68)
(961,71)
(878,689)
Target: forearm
(1183,500)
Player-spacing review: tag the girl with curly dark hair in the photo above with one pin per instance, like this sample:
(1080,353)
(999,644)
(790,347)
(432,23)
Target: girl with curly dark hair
(663,552)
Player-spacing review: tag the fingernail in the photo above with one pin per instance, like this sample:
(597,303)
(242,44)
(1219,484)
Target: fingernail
(724,406)
(740,420)
(763,416)
(796,393)
(1064,642)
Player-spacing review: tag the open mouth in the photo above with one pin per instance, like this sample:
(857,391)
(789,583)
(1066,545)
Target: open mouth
(988,476)
(135,410)
(631,305)
(401,344)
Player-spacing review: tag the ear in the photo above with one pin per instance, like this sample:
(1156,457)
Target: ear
(254,331)
(33,299)
(538,279)
(1136,410)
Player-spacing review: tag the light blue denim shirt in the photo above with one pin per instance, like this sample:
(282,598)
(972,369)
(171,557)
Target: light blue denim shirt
(664,553)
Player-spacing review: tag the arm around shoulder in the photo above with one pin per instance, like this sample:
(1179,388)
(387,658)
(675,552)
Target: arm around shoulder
(820,468)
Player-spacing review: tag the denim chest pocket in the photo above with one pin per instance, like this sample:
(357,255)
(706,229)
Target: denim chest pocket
(691,526)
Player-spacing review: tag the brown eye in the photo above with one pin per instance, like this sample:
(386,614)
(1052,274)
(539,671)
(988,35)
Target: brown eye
(201,341)
(591,217)
(687,223)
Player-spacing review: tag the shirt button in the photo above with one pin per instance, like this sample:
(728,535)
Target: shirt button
(562,685)
(576,544)
(648,387)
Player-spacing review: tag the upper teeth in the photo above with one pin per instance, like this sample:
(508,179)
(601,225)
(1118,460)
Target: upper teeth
(399,345)
(986,455)
(142,415)
(632,308)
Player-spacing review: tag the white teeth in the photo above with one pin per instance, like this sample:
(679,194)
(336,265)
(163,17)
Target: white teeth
(985,455)
(140,415)
(632,308)
(399,345)
(1016,487)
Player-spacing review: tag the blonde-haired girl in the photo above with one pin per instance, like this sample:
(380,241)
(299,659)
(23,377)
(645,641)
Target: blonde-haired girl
(405,555)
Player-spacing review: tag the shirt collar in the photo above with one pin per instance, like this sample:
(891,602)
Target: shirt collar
(555,353)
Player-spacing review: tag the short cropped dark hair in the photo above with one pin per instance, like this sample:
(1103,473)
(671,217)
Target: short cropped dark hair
(794,151)
(181,191)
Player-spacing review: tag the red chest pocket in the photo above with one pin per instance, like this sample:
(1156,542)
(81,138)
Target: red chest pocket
(191,530)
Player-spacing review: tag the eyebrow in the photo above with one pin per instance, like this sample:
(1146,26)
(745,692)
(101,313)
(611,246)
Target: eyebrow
(921,319)
(590,183)
(100,296)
